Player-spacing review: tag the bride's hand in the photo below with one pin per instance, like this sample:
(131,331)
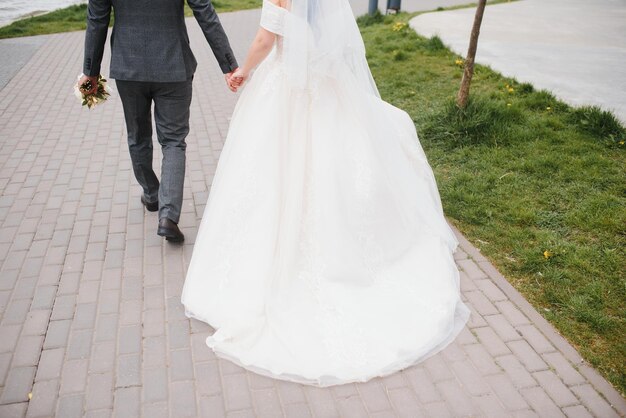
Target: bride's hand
(238,77)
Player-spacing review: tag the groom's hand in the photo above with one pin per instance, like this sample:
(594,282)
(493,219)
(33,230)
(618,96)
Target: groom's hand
(233,80)
(94,83)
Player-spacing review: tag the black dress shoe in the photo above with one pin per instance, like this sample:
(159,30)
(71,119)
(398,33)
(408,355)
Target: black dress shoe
(169,230)
(151,207)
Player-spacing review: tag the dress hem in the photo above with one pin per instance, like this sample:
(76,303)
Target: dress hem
(461,317)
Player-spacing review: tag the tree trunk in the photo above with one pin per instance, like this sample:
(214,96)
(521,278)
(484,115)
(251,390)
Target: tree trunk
(468,70)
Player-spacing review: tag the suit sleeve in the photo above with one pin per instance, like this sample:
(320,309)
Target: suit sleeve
(214,33)
(98,18)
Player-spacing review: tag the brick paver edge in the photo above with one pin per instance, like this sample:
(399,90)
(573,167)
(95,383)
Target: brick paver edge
(607,390)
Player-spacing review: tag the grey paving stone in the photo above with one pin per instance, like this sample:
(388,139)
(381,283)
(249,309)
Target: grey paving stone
(106,328)
(472,270)
(290,393)
(507,393)
(5,362)
(127,402)
(182,399)
(423,385)
(577,411)
(181,365)
(480,302)
(129,341)
(297,410)
(178,334)
(266,402)
(102,357)
(491,341)
(159,410)
(57,334)
(485,364)
(14,410)
(256,381)
(28,351)
(36,322)
(85,316)
(74,376)
(470,379)
(70,406)
(80,344)
(236,393)
(98,413)
(527,355)
(490,405)
(16,312)
(374,396)
(555,388)
(563,368)
(438,368)
(502,327)
(155,386)
(44,399)
(541,402)
(457,399)
(19,384)
(594,402)
(516,371)
(128,371)
(535,338)
(512,312)
(154,326)
(405,402)
(50,364)
(99,394)
(154,351)
(351,407)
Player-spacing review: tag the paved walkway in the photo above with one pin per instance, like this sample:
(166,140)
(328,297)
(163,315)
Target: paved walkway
(360,7)
(90,317)
(574,48)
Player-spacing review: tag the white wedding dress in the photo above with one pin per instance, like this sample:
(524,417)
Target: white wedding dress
(323,255)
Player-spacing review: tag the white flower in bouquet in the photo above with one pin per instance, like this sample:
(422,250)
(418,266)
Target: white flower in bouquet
(92,99)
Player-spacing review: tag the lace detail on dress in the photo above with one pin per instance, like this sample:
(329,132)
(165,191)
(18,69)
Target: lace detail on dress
(273,18)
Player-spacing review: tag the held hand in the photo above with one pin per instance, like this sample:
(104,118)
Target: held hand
(228,77)
(93,81)
(235,79)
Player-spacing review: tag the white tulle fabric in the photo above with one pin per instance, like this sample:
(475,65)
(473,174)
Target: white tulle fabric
(323,256)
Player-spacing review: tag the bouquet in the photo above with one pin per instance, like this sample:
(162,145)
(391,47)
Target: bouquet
(92,99)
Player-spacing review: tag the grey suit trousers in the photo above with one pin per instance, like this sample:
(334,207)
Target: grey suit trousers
(171,116)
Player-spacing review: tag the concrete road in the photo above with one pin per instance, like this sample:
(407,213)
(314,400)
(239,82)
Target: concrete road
(574,48)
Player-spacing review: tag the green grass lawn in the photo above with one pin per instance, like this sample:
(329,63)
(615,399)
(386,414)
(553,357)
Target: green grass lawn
(537,185)
(73,18)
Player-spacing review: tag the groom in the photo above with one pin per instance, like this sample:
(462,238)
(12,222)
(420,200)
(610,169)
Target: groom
(151,62)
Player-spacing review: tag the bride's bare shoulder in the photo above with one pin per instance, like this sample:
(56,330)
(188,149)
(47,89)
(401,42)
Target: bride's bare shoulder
(285,4)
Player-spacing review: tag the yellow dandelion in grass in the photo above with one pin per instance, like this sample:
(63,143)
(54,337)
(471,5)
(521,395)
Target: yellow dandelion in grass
(621,142)
(508,104)
(547,254)
(548,108)
(459,61)
(510,89)
(398,26)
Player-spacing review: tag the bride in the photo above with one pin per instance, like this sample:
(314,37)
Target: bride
(323,256)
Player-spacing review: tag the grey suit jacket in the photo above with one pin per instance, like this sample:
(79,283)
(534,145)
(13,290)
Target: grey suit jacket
(149,41)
